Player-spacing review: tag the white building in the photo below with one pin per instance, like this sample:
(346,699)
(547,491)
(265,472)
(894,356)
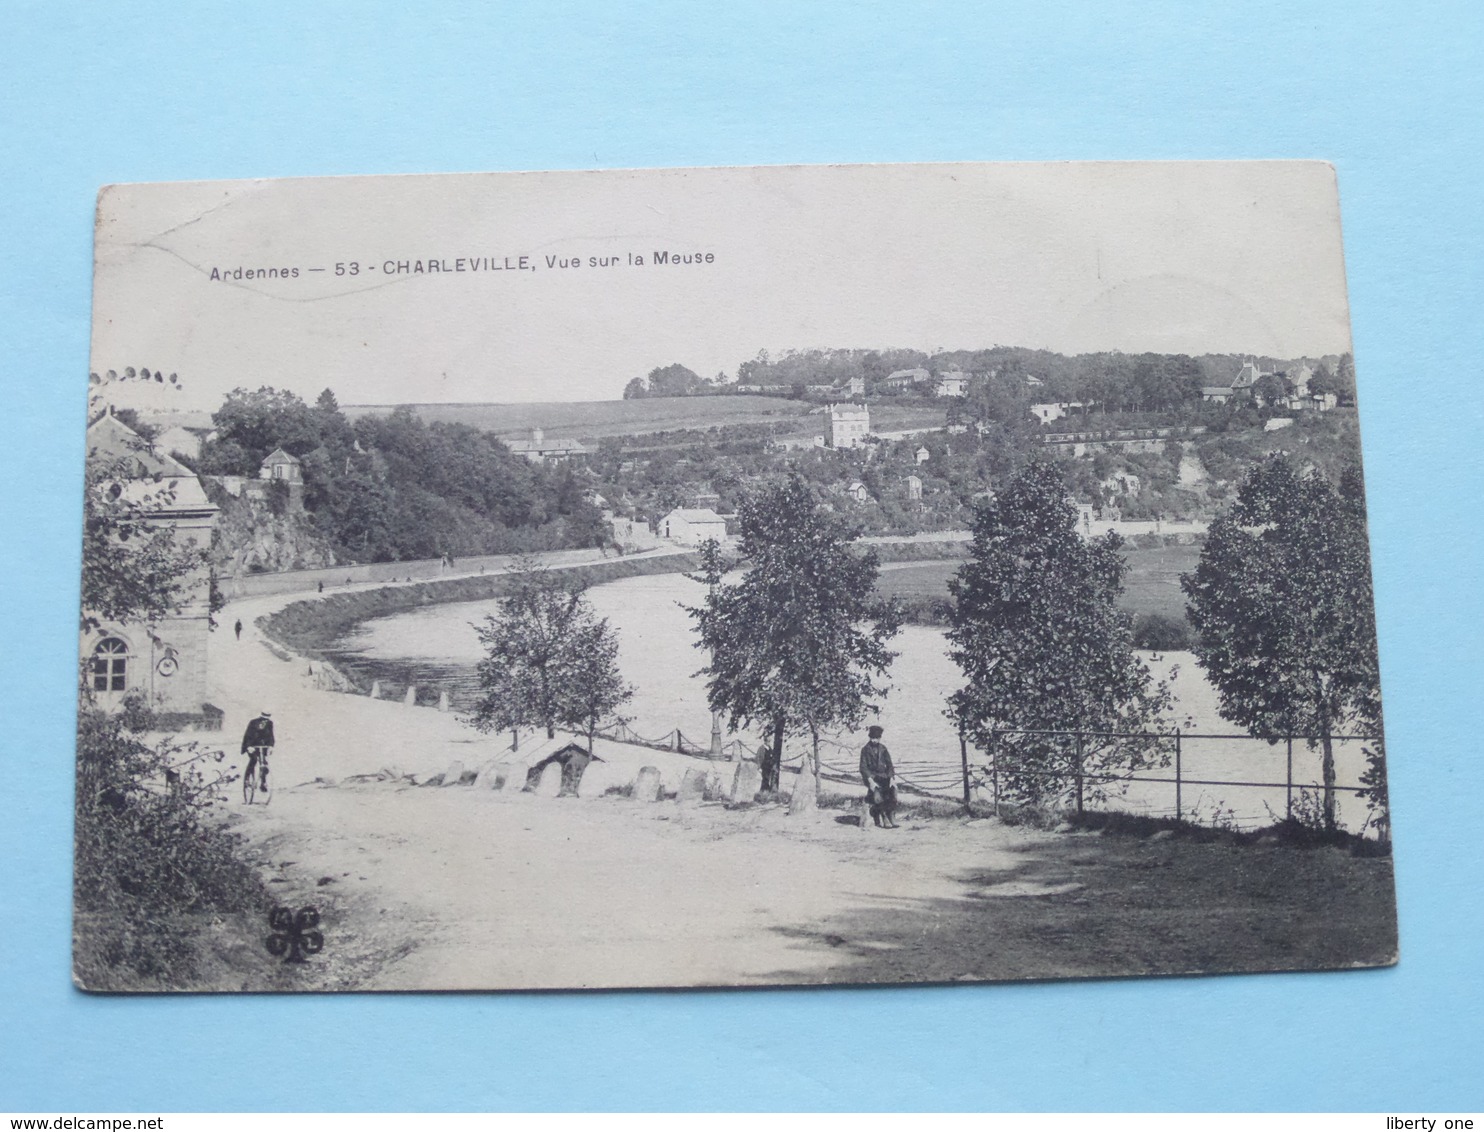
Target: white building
(691,526)
(914,488)
(921,455)
(859,492)
(905,378)
(538,449)
(954,383)
(1048,411)
(848,425)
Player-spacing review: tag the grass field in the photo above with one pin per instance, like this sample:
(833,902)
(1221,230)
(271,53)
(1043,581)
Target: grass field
(1152,584)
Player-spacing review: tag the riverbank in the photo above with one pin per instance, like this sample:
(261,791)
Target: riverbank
(310,626)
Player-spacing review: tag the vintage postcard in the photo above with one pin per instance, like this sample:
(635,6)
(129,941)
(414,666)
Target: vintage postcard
(725,577)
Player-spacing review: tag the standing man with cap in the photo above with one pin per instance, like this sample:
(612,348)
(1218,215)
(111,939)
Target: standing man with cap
(257,742)
(877,773)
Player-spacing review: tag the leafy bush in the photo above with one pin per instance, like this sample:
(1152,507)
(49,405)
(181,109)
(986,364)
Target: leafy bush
(1161,633)
(149,851)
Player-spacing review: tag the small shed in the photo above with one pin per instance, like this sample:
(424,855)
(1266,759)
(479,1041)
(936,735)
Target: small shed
(279,465)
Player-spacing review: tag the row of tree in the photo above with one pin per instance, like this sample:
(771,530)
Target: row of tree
(799,642)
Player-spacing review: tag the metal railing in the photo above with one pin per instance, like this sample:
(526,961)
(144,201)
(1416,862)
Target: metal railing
(1079,776)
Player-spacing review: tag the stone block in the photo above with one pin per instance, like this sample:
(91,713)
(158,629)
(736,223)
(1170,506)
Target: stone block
(483,773)
(597,778)
(453,774)
(443,701)
(494,777)
(516,773)
(410,699)
(805,798)
(746,782)
(647,785)
(376,689)
(692,786)
(549,785)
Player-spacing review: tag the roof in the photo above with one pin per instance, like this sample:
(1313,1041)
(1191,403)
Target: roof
(110,439)
(1212,390)
(916,374)
(695,515)
(279,456)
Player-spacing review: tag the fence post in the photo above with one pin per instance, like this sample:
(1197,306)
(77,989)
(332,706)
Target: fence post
(1288,790)
(963,758)
(1178,808)
(677,738)
(1079,773)
(994,770)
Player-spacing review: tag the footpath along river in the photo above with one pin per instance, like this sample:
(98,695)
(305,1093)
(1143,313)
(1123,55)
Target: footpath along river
(438,645)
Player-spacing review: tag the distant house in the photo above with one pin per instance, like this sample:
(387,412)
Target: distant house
(954,383)
(1048,411)
(691,526)
(914,488)
(279,465)
(905,378)
(922,455)
(847,425)
(180,441)
(1273,424)
(1247,376)
(1299,377)
(1217,394)
(859,492)
(856,387)
(538,449)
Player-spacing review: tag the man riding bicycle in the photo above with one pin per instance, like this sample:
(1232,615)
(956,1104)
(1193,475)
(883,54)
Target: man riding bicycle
(257,742)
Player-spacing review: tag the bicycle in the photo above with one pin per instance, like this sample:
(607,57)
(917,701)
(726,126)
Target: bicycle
(255,777)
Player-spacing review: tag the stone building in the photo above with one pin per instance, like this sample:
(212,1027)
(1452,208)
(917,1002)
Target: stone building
(847,426)
(691,526)
(164,661)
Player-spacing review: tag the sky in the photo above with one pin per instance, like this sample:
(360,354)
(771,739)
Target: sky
(314,283)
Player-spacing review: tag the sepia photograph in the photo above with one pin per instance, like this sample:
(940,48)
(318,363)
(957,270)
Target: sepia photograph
(726,577)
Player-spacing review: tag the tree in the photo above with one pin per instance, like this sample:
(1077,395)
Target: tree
(673,380)
(597,687)
(550,661)
(133,568)
(1037,633)
(798,643)
(1282,607)
(635,389)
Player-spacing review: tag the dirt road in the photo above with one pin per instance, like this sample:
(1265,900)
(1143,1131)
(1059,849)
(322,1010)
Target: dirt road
(469,888)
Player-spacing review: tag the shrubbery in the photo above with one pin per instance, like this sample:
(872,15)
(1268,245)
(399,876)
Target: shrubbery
(1161,633)
(150,853)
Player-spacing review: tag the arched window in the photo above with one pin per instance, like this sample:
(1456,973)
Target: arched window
(110,665)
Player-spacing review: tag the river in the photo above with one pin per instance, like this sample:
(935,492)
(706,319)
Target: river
(437,645)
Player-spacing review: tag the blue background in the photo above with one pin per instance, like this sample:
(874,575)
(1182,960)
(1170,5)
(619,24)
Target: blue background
(156,92)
